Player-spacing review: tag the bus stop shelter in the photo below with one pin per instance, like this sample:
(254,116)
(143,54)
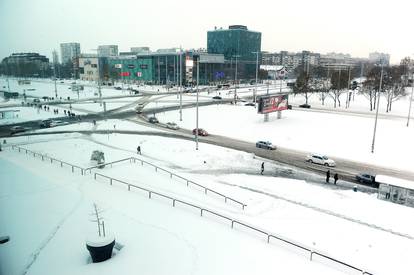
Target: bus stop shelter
(395,190)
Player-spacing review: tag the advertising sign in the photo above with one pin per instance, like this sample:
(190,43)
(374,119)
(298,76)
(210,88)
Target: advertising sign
(139,74)
(124,74)
(272,103)
(143,66)
(131,66)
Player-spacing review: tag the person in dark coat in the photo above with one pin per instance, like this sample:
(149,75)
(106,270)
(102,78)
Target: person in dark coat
(262,168)
(335,178)
(328,175)
(139,150)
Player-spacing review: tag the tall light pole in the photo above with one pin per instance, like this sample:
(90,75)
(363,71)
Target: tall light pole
(235,83)
(411,98)
(257,70)
(197,60)
(376,114)
(181,86)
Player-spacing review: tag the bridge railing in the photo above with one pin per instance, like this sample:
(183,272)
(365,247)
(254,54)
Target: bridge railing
(241,225)
(52,160)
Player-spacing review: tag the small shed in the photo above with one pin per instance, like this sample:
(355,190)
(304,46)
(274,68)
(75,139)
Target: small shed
(395,190)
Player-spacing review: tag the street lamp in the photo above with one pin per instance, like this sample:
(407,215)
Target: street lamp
(411,97)
(235,81)
(197,59)
(376,114)
(257,69)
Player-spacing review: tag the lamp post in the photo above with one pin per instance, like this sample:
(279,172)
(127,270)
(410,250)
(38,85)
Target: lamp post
(411,98)
(181,87)
(235,81)
(376,114)
(257,69)
(196,58)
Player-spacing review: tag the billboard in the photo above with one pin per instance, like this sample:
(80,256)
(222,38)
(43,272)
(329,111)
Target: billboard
(272,103)
(124,74)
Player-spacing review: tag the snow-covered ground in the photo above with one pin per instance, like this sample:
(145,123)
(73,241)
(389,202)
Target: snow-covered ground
(354,227)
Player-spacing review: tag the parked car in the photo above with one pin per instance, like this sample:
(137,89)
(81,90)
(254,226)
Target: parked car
(172,125)
(117,88)
(201,132)
(153,119)
(366,178)
(320,159)
(17,129)
(265,145)
(45,123)
(249,104)
(304,106)
(36,100)
(217,97)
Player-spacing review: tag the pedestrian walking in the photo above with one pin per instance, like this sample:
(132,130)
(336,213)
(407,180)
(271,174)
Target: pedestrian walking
(335,178)
(262,168)
(328,175)
(139,150)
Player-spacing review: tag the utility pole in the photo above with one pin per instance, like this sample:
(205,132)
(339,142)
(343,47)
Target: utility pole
(348,99)
(376,114)
(166,71)
(197,60)
(235,82)
(257,71)
(181,86)
(411,98)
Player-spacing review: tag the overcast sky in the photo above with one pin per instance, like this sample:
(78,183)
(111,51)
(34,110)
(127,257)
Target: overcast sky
(357,27)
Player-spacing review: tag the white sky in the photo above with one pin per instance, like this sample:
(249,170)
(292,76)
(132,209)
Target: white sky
(357,27)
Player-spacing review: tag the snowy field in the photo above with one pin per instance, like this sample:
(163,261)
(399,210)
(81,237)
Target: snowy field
(354,227)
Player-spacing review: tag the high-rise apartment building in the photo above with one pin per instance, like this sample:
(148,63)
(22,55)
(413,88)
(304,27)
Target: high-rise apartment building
(69,51)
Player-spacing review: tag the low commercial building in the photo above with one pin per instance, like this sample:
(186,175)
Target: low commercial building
(89,67)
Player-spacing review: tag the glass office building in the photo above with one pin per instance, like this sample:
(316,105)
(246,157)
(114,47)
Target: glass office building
(236,42)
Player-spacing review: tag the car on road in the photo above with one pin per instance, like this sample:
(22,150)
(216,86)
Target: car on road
(304,106)
(139,108)
(17,129)
(172,125)
(320,159)
(153,119)
(201,132)
(249,104)
(45,123)
(217,97)
(36,100)
(58,123)
(365,178)
(265,145)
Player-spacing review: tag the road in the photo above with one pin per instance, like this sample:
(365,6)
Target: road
(347,169)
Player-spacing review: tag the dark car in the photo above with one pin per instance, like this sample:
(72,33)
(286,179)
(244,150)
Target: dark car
(304,106)
(249,104)
(265,145)
(217,97)
(201,132)
(45,123)
(17,129)
(153,119)
(366,178)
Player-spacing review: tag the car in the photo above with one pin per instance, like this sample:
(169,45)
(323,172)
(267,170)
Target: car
(249,104)
(217,97)
(45,123)
(153,119)
(139,108)
(320,159)
(365,178)
(17,129)
(201,132)
(36,100)
(117,88)
(265,145)
(172,125)
(304,106)
(58,123)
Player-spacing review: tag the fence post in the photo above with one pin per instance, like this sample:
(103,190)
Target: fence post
(42,158)
(73,169)
(142,163)
(129,187)
(268,238)
(187,183)
(110,181)
(149,194)
(201,212)
(225,199)
(61,163)
(94,176)
(232,224)
(170,175)
(205,190)
(311,254)
(155,168)
(26,152)
(51,160)
(82,171)
(173,203)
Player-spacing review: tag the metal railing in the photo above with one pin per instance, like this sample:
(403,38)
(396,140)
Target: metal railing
(44,157)
(233,222)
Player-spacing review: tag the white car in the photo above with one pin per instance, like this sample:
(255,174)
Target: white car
(320,159)
(172,125)
(55,123)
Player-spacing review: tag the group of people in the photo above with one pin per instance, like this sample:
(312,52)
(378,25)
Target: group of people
(328,175)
